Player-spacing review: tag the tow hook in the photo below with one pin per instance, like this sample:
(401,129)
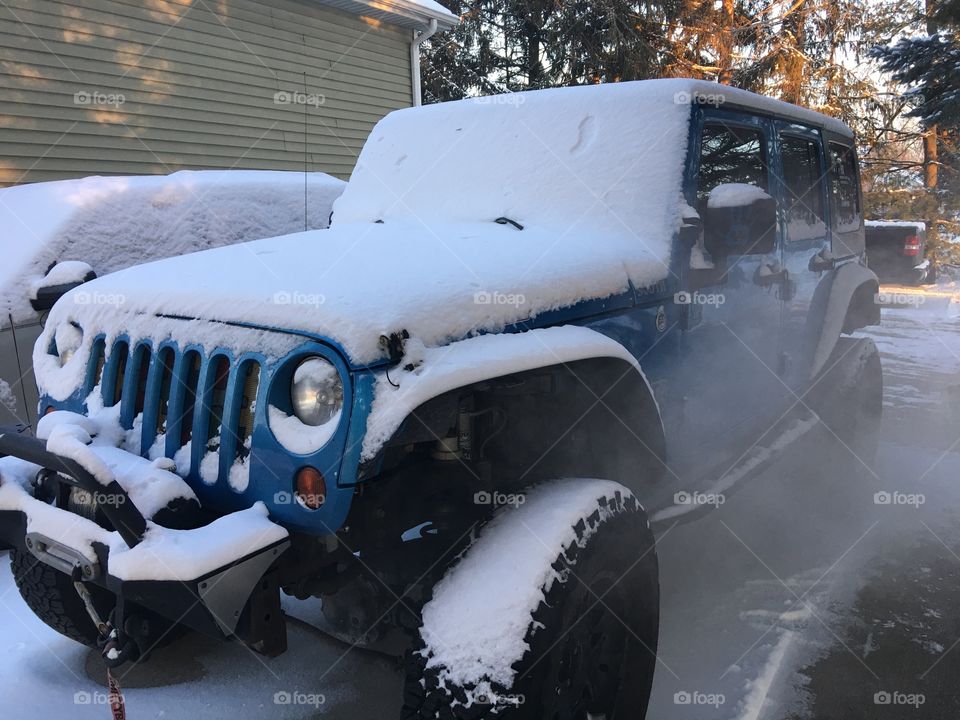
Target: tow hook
(112,648)
(116,647)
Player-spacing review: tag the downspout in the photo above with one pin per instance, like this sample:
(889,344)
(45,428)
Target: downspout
(418,40)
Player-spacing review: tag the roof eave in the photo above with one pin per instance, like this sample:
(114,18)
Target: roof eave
(397,12)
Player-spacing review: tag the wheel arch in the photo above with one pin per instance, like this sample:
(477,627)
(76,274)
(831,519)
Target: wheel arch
(575,402)
(845,301)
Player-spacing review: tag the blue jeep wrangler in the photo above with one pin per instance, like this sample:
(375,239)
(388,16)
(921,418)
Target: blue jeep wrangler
(538,324)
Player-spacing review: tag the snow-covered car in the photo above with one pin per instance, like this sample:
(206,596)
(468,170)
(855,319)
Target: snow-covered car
(537,324)
(59,234)
(896,251)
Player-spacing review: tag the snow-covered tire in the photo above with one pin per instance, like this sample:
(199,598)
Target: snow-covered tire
(553,613)
(51,596)
(850,396)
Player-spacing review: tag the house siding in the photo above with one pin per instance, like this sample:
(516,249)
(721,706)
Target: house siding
(122,87)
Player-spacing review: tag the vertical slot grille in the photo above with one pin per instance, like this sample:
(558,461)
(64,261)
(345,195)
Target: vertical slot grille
(166,359)
(142,365)
(191,381)
(96,365)
(218,396)
(249,381)
(121,353)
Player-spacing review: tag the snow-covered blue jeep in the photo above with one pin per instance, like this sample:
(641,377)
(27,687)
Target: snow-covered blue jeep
(538,324)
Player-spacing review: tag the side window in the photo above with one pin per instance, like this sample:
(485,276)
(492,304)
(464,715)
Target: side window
(731,155)
(803,181)
(844,189)
(739,216)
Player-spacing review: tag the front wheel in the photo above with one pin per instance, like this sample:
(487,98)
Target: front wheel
(552,614)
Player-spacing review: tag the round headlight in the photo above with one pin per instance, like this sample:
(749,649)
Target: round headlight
(316,391)
(68,338)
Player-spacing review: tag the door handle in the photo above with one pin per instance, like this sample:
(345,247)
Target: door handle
(821,262)
(768,274)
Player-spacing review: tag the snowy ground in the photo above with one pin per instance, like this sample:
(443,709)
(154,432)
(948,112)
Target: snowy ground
(800,597)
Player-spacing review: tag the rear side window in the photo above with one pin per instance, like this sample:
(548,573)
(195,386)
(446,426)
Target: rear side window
(803,181)
(844,189)
(730,154)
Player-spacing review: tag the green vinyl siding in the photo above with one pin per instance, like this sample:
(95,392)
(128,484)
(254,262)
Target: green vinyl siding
(153,86)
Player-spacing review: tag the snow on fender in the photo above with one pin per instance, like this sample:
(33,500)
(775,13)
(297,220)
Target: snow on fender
(437,370)
(493,616)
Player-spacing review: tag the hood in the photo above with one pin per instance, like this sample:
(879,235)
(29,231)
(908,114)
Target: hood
(357,281)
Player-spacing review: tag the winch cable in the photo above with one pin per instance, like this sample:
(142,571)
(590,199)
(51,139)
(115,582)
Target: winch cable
(118,708)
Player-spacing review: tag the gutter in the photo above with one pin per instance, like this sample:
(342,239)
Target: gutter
(418,39)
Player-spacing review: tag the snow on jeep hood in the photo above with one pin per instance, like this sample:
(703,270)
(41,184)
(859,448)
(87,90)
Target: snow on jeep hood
(592,174)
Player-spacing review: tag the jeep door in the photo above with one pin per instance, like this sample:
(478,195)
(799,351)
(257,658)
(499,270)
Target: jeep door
(801,169)
(731,312)
(821,225)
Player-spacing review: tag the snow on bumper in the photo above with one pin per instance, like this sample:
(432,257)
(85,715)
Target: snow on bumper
(202,577)
(164,554)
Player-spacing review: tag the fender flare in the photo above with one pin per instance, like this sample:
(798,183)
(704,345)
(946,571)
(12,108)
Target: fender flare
(439,370)
(844,301)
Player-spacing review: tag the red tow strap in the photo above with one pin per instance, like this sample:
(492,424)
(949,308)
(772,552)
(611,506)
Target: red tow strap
(117,706)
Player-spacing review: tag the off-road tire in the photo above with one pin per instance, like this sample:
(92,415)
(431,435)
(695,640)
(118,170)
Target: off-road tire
(53,598)
(850,396)
(617,562)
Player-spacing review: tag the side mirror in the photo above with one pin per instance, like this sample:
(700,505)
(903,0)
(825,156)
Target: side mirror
(60,279)
(740,220)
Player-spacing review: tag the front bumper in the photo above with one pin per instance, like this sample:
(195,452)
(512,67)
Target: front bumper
(218,579)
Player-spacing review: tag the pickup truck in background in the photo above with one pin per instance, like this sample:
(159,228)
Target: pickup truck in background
(896,250)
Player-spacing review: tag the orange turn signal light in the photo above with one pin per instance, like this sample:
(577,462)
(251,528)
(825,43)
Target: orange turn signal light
(311,487)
